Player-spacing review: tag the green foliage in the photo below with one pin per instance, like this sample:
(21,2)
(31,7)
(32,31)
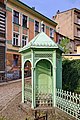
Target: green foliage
(65,43)
(71,75)
(2,118)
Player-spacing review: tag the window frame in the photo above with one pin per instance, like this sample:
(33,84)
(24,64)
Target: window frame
(16,16)
(78,20)
(78,32)
(51,33)
(24,40)
(16,39)
(15,60)
(43,27)
(23,21)
(37,28)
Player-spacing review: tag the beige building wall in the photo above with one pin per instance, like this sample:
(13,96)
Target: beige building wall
(69,25)
(65,23)
(18,28)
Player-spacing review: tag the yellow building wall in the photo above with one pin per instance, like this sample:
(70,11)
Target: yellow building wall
(71,57)
(78,49)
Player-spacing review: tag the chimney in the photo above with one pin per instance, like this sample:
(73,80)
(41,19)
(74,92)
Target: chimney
(33,8)
(58,12)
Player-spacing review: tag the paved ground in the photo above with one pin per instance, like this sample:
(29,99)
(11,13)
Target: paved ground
(10,99)
(13,111)
(8,91)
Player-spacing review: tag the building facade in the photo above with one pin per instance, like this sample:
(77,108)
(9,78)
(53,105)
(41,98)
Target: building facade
(22,24)
(69,25)
(2,38)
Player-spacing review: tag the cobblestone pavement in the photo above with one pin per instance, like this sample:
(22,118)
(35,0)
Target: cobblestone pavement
(8,91)
(13,111)
(10,99)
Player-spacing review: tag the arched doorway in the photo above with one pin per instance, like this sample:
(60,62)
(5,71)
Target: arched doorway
(27,69)
(27,81)
(44,82)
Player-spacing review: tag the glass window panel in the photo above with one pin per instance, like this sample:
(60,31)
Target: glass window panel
(36,26)
(16,17)
(24,21)
(15,39)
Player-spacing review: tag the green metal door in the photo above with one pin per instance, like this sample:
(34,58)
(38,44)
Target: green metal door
(44,77)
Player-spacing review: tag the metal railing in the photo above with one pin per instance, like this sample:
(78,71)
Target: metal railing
(68,102)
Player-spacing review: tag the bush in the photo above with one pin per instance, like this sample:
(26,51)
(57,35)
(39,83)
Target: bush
(71,75)
(2,118)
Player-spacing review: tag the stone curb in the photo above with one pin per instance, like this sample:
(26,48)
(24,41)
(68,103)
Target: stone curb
(10,82)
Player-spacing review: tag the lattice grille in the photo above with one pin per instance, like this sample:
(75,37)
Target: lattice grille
(44,99)
(28,92)
(43,56)
(27,56)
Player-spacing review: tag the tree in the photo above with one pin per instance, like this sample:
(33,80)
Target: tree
(71,75)
(65,43)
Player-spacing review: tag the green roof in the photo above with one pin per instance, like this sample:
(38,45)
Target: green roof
(41,41)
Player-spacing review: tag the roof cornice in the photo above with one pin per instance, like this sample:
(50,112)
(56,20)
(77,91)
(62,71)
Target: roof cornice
(34,12)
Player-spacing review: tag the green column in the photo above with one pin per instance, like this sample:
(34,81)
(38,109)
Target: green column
(33,82)
(54,78)
(34,88)
(22,79)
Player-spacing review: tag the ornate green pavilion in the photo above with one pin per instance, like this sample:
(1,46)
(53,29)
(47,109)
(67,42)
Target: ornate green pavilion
(45,58)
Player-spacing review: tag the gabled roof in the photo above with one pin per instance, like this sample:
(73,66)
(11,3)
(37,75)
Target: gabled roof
(41,41)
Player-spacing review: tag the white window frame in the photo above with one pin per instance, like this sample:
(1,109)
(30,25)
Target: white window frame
(52,32)
(78,20)
(42,24)
(27,21)
(24,40)
(16,38)
(18,18)
(78,32)
(38,26)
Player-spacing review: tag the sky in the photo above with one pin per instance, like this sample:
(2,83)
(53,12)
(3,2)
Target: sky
(50,7)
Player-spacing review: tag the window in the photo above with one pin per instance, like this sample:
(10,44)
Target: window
(24,21)
(15,60)
(16,17)
(24,40)
(43,27)
(78,20)
(51,33)
(16,39)
(36,26)
(78,32)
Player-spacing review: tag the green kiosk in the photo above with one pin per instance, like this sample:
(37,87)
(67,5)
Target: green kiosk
(44,58)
